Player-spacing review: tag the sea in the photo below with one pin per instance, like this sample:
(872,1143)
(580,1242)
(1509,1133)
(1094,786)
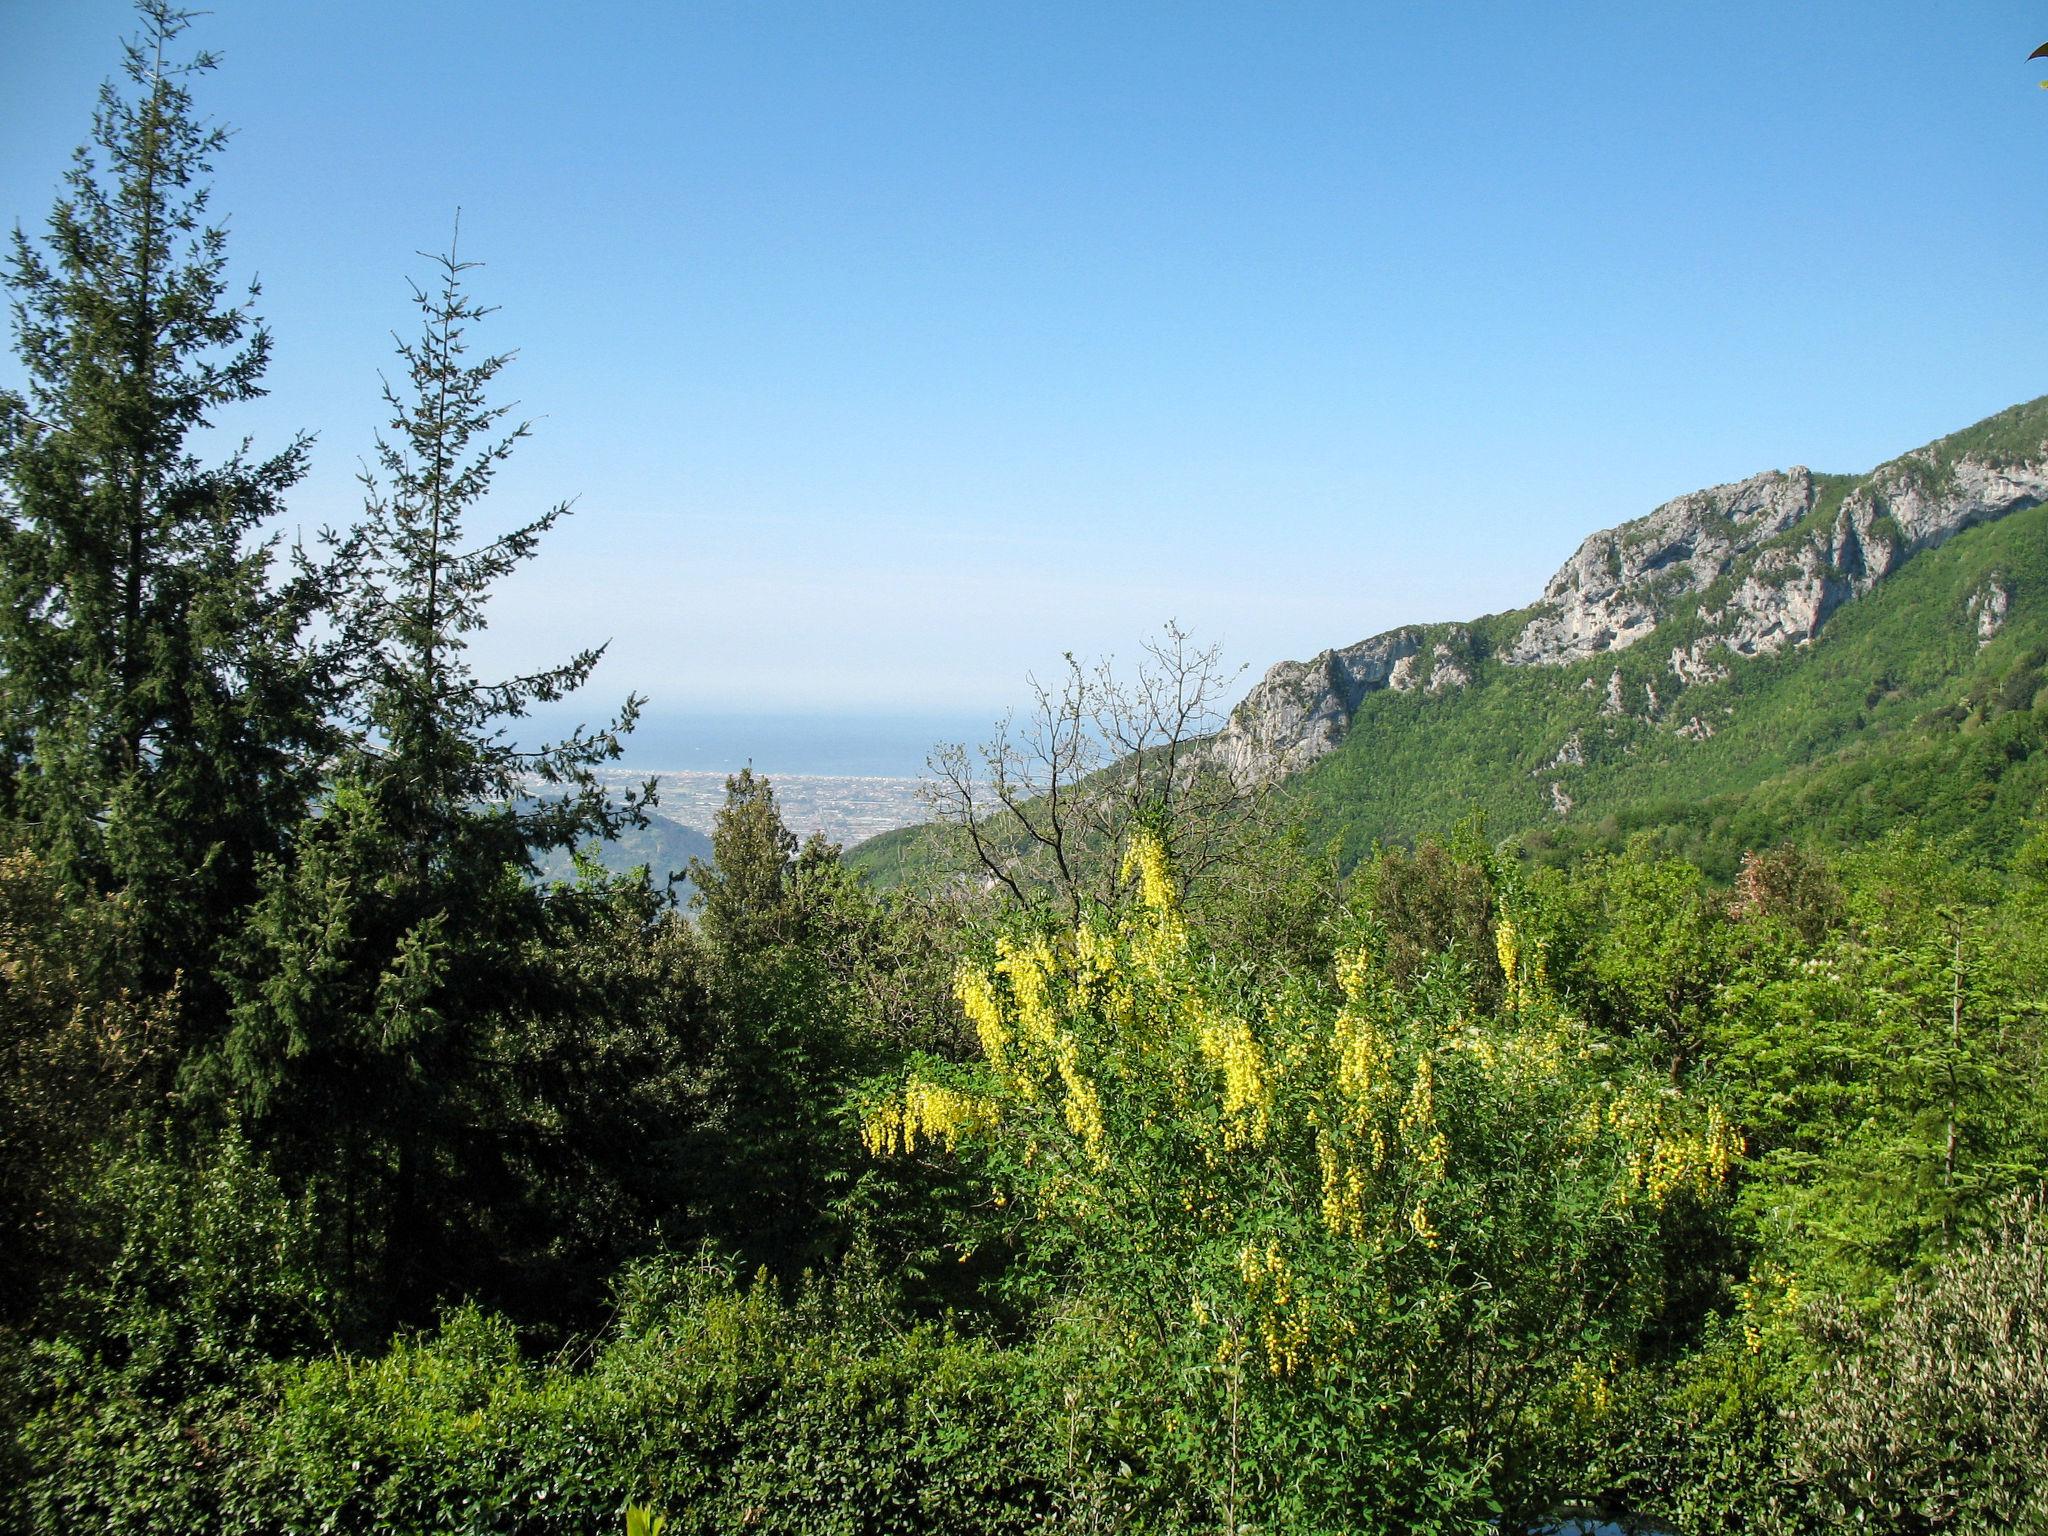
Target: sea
(812,745)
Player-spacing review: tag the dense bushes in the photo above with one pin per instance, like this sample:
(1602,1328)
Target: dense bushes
(1522,1194)
(713,1400)
(1934,1415)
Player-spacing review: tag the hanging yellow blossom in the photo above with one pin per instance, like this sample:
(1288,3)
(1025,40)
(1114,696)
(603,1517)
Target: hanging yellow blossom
(1229,1046)
(976,993)
(1419,1223)
(1419,1130)
(1029,969)
(928,1113)
(1354,970)
(1664,1152)
(1507,944)
(1364,1061)
(1083,1106)
(1146,859)
(1344,1191)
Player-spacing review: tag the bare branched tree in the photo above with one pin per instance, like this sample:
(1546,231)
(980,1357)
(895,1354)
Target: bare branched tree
(1045,808)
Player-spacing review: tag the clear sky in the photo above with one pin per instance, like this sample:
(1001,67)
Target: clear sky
(892,349)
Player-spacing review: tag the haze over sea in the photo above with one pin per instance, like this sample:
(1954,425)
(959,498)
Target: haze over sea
(820,745)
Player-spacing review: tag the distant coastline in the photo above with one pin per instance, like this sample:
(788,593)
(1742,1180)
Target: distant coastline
(821,745)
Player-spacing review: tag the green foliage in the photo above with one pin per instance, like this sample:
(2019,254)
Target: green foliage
(78,1053)
(161,723)
(1379,1230)
(1934,1416)
(1882,1075)
(720,1403)
(204,1276)
(412,1032)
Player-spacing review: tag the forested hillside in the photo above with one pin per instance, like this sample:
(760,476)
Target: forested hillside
(1385,1154)
(1902,713)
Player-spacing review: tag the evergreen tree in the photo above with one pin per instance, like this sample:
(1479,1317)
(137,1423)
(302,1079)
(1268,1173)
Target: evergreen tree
(743,892)
(396,1033)
(780,1059)
(161,725)
(410,590)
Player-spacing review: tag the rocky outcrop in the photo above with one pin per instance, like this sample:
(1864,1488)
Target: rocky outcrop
(1451,661)
(1762,564)
(1300,710)
(1988,607)
(1697,663)
(1571,755)
(1620,584)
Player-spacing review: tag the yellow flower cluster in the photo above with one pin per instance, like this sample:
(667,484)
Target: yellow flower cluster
(1665,1154)
(1099,979)
(1283,1328)
(1507,944)
(1029,969)
(1083,1107)
(1343,1191)
(1021,1019)
(1229,1046)
(1160,937)
(1591,1389)
(928,1113)
(1364,1061)
(1419,1224)
(1145,858)
(975,990)
(1354,972)
(1420,1133)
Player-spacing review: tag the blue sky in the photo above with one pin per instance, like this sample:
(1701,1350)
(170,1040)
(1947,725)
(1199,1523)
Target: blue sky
(891,350)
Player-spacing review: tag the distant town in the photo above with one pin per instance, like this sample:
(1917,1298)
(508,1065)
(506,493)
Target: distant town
(846,808)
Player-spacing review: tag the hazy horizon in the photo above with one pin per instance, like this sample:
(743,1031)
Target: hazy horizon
(824,743)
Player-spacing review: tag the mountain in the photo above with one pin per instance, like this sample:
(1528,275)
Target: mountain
(1792,655)
(663,845)
(1767,638)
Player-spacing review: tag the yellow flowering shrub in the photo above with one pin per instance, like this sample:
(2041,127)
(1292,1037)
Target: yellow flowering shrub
(1336,1176)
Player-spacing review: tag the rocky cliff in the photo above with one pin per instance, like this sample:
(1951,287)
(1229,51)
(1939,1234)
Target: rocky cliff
(1750,568)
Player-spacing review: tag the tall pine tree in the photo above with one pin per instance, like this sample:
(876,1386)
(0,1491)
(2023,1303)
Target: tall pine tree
(161,724)
(404,1035)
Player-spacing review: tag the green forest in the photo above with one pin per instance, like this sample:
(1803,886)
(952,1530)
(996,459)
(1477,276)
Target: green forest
(1382,1159)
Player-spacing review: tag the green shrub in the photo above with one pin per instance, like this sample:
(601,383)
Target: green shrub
(1934,1417)
(723,1404)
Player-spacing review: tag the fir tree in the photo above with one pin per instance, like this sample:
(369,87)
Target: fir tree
(161,724)
(410,590)
(396,1034)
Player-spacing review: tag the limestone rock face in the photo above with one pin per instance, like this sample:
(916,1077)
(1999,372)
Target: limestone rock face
(1449,661)
(1694,664)
(1619,584)
(1988,606)
(1775,566)
(1300,710)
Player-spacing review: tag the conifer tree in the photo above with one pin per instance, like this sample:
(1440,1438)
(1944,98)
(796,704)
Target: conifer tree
(403,973)
(410,589)
(161,724)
